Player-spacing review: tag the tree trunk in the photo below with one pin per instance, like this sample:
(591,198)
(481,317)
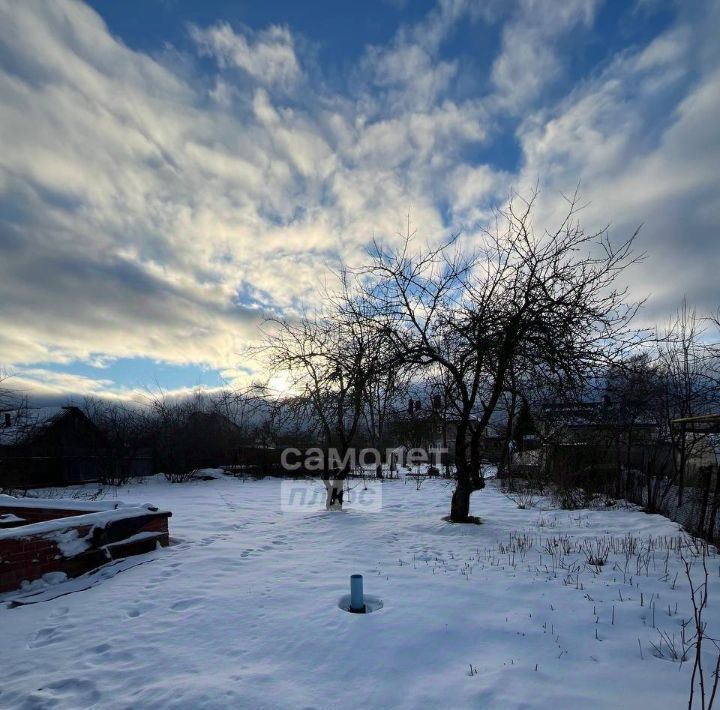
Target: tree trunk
(334,489)
(475,466)
(467,464)
(460,505)
(505,457)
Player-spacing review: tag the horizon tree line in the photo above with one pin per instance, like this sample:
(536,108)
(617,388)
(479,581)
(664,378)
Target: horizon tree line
(477,331)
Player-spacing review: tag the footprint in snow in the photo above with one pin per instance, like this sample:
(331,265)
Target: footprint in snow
(69,692)
(46,637)
(59,612)
(101,648)
(185,604)
(139,609)
(162,577)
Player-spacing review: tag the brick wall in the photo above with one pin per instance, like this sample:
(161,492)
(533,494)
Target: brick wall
(29,557)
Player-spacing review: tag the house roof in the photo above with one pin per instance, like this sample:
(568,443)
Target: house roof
(27,421)
(706,423)
(591,415)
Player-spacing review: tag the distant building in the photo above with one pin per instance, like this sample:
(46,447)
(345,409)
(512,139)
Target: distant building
(48,446)
(599,436)
(700,439)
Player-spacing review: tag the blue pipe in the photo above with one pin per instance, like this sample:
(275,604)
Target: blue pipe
(357,599)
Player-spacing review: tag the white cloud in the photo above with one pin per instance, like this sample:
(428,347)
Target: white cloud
(146,213)
(267,56)
(529,60)
(139,212)
(643,142)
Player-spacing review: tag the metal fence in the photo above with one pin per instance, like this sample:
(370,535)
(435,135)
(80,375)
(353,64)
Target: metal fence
(694,507)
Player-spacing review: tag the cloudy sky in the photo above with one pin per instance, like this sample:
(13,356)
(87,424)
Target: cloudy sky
(171,170)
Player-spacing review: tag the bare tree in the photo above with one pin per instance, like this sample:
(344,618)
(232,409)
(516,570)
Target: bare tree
(127,433)
(334,360)
(385,395)
(14,412)
(705,689)
(7,396)
(685,360)
(542,303)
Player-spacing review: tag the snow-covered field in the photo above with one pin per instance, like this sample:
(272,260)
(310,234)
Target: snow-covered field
(242,610)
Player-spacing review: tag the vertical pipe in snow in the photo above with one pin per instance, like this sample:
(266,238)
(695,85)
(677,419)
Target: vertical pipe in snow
(357,600)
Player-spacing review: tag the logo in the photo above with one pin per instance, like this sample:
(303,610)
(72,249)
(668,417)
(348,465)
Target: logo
(316,495)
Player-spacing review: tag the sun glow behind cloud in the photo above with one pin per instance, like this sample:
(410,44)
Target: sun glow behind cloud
(280,385)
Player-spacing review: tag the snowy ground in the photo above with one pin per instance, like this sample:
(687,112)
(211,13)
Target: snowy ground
(242,611)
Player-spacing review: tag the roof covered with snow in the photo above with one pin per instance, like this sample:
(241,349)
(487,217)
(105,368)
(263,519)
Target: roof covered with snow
(17,425)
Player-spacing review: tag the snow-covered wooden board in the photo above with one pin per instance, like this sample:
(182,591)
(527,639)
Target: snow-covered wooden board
(48,592)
